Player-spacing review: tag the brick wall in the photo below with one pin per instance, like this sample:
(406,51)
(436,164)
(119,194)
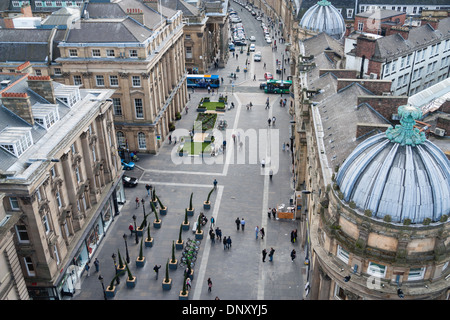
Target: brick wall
(364,128)
(19,104)
(385,105)
(43,86)
(445,106)
(340,73)
(365,46)
(443,122)
(377,87)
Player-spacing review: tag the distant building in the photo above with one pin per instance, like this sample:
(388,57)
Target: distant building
(60,181)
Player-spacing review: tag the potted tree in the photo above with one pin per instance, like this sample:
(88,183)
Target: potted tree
(173,264)
(190,210)
(167,282)
(162,208)
(121,266)
(140,260)
(154,201)
(149,239)
(111,289)
(184,293)
(131,280)
(185,223)
(199,231)
(207,204)
(157,222)
(179,244)
(140,229)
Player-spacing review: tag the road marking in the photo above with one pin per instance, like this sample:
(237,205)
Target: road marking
(177,184)
(205,256)
(183,172)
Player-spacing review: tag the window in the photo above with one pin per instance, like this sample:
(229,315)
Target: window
(141,141)
(73,53)
(58,71)
(53,172)
(22,234)
(110,53)
(58,199)
(376,270)
(117,106)
(29,266)
(45,223)
(416,274)
(77,80)
(402,62)
(339,293)
(188,37)
(100,81)
(73,149)
(113,81)
(38,195)
(121,139)
(408,60)
(55,254)
(133,53)
(139,108)
(136,80)
(14,203)
(188,53)
(96,53)
(394,66)
(349,13)
(94,157)
(445,266)
(387,68)
(38,72)
(342,254)
(400,81)
(360,26)
(77,174)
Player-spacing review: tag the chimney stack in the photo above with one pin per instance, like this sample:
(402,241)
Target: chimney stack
(43,86)
(136,14)
(19,104)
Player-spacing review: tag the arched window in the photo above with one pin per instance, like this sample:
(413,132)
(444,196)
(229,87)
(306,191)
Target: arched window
(141,141)
(121,139)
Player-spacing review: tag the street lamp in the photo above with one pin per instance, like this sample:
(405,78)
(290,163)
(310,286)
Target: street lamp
(126,247)
(135,230)
(115,267)
(103,286)
(143,208)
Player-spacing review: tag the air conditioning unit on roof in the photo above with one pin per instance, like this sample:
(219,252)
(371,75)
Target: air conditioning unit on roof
(439,132)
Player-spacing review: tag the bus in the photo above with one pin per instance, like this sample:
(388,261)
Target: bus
(203,80)
(277,86)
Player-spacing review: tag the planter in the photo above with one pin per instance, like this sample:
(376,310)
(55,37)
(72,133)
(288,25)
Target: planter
(140,263)
(206,205)
(111,293)
(139,231)
(173,265)
(167,285)
(184,296)
(185,226)
(179,245)
(148,244)
(155,203)
(163,211)
(156,224)
(199,235)
(121,271)
(190,213)
(131,283)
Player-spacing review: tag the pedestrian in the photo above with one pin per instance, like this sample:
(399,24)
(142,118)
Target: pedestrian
(229,242)
(186,109)
(170,139)
(243,224)
(269,212)
(97,265)
(212,236)
(209,284)
(274,212)
(224,243)
(254,77)
(292,236)
(264,254)
(137,202)
(215,184)
(174,140)
(88,269)
(269,121)
(293,255)
(156,269)
(263,233)
(267,103)
(212,221)
(130,227)
(212,91)
(264,66)
(284,146)
(188,283)
(273,120)
(238,223)
(270,174)
(295,235)
(209,89)
(272,251)
(237,56)
(221,79)
(256,232)
(149,187)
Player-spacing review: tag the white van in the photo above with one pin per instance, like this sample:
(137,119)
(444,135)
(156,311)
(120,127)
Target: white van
(257,56)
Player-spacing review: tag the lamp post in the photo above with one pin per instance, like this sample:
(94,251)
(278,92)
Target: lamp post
(115,267)
(126,247)
(135,230)
(103,286)
(143,208)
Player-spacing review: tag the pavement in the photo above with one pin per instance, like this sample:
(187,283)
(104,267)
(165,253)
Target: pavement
(244,190)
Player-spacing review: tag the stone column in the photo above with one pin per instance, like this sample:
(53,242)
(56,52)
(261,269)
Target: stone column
(70,189)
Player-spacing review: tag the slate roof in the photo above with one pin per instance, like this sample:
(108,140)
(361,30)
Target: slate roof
(125,30)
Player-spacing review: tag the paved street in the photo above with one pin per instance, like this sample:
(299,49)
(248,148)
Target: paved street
(244,190)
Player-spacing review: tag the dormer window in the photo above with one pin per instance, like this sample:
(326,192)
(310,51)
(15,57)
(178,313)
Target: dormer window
(45,115)
(16,140)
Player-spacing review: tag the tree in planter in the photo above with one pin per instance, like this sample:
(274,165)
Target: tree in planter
(185,223)
(162,208)
(179,244)
(167,282)
(111,284)
(207,204)
(131,280)
(157,222)
(199,232)
(140,261)
(154,196)
(184,292)
(173,262)
(149,240)
(121,266)
(190,209)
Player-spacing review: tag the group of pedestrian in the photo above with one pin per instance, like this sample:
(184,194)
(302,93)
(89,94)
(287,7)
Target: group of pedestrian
(226,242)
(272,211)
(283,102)
(240,223)
(260,232)
(264,254)
(294,236)
(271,121)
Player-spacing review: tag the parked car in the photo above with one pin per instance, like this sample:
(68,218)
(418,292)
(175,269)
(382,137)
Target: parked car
(252,38)
(268,76)
(129,181)
(268,40)
(257,56)
(127,166)
(252,47)
(231,47)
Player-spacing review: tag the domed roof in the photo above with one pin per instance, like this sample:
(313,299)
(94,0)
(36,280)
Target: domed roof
(398,173)
(324,17)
